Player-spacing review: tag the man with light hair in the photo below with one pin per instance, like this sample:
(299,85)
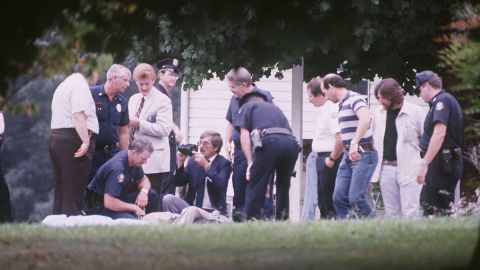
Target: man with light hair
(240,83)
(120,189)
(112,113)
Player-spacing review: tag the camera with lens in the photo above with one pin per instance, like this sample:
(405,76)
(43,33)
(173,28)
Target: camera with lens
(188,149)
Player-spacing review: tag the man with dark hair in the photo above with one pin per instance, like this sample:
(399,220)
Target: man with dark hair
(120,189)
(112,114)
(360,158)
(397,128)
(207,174)
(272,148)
(168,70)
(327,152)
(240,83)
(442,164)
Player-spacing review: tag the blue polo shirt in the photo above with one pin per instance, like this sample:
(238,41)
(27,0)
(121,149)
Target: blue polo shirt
(115,177)
(232,113)
(111,115)
(444,108)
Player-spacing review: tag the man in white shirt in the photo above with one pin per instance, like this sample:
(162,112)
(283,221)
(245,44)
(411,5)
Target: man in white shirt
(327,146)
(74,127)
(397,129)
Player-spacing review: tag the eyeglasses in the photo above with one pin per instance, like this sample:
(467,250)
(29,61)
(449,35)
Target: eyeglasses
(203,143)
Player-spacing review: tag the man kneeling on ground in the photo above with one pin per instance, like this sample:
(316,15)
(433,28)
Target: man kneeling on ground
(120,189)
(207,174)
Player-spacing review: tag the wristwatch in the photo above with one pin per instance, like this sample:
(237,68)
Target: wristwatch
(331,159)
(144,190)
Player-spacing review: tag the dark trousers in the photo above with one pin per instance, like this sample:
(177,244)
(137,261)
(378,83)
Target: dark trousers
(326,185)
(101,156)
(161,183)
(5,206)
(278,154)
(438,193)
(239,182)
(71,173)
(168,184)
(152,205)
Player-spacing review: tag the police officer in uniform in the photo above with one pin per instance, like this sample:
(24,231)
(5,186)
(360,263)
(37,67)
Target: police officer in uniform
(112,114)
(120,189)
(240,83)
(442,164)
(167,79)
(272,148)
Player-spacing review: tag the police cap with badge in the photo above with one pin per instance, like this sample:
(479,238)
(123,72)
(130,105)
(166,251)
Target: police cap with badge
(169,64)
(424,76)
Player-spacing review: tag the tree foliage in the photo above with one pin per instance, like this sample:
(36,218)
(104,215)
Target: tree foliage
(361,38)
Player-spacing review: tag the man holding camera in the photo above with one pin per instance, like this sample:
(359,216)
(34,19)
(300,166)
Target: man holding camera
(442,163)
(207,174)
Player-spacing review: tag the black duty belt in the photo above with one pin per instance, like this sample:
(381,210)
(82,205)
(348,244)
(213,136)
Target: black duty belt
(365,146)
(275,130)
(106,147)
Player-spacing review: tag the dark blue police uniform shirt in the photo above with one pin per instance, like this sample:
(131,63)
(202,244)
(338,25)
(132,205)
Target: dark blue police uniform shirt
(259,115)
(115,177)
(111,115)
(234,107)
(444,108)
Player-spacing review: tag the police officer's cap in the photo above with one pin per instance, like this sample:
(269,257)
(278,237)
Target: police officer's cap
(424,76)
(169,64)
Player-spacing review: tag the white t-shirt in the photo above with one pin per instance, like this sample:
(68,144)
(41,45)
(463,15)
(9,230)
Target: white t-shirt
(326,127)
(71,96)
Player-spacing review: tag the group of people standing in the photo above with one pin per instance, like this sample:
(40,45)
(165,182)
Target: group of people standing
(119,158)
(414,155)
(101,139)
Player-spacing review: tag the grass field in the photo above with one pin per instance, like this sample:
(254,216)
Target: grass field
(359,244)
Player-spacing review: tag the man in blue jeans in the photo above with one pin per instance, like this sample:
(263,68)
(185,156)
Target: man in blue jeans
(360,158)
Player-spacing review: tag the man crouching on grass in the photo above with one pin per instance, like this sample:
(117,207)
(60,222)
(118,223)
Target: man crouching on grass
(120,189)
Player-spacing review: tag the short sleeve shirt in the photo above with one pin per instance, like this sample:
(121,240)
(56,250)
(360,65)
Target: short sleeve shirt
(444,108)
(261,115)
(232,113)
(348,120)
(115,177)
(72,96)
(111,115)
(326,127)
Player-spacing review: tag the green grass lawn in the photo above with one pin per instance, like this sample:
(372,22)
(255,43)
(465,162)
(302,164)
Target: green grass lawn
(443,243)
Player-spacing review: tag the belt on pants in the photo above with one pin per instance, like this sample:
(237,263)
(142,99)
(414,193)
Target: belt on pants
(275,130)
(390,163)
(323,153)
(106,147)
(365,146)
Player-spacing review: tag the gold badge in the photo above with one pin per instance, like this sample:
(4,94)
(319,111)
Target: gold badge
(119,108)
(175,62)
(120,178)
(439,106)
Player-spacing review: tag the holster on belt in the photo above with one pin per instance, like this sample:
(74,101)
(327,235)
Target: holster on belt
(92,202)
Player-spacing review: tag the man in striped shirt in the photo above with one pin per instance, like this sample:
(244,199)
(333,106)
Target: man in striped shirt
(360,158)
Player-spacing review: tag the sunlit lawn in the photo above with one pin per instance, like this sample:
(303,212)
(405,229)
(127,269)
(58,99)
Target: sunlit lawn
(444,243)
